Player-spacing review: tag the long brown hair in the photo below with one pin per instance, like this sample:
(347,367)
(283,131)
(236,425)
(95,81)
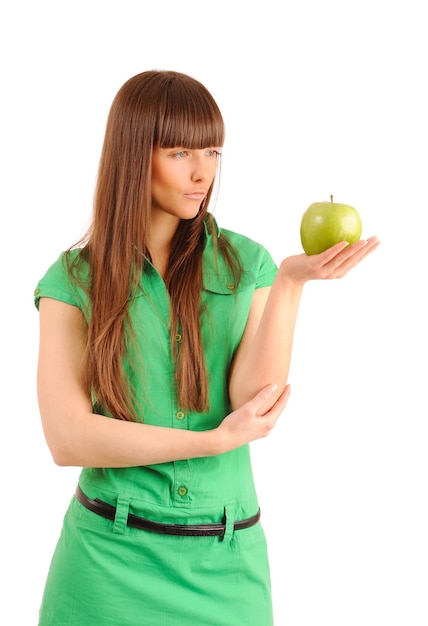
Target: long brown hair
(154,108)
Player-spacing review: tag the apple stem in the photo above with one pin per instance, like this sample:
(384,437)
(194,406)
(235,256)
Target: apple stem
(331,198)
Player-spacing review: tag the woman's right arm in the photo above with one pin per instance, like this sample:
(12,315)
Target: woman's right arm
(78,437)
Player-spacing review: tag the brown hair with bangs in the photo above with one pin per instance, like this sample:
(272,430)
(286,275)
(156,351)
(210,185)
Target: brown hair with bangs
(154,108)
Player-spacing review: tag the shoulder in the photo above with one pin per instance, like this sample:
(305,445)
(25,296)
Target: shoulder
(242,243)
(257,265)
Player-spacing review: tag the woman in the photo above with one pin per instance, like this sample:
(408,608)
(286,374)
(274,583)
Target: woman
(165,346)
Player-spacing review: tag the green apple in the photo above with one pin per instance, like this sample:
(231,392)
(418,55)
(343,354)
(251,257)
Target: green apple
(326,223)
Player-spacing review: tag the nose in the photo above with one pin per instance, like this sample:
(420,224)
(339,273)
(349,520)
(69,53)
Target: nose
(201,166)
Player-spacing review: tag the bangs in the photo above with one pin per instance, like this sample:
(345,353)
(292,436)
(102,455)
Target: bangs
(188,116)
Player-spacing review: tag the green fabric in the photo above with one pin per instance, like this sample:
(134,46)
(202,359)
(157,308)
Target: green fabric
(107,573)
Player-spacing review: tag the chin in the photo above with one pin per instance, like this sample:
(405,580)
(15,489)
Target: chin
(190,215)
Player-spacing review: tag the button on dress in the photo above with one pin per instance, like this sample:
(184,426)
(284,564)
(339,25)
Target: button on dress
(105,573)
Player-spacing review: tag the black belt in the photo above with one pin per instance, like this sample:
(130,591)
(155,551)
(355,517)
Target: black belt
(196,530)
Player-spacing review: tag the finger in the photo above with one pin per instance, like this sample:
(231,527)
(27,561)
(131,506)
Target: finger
(345,249)
(361,247)
(356,257)
(257,404)
(280,404)
(261,397)
(331,253)
(348,257)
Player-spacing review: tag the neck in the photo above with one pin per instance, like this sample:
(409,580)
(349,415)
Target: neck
(162,230)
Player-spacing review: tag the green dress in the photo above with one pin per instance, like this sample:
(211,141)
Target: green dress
(104,572)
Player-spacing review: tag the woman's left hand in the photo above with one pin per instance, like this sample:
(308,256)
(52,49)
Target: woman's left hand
(335,262)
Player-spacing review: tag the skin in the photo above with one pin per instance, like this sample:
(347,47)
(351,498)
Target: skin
(180,181)
(265,350)
(258,380)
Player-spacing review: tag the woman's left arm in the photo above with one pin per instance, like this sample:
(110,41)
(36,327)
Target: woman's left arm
(264,354)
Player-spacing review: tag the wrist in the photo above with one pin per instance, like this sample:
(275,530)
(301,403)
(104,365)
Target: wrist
(289,278)
(213,442)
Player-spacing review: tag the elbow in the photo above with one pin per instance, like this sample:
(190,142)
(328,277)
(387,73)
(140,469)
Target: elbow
(62,458)
(62,453)
(64,440)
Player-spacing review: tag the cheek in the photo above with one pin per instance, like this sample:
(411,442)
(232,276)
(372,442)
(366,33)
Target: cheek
(158,190)
(160,183)
(214,172)
(156,177)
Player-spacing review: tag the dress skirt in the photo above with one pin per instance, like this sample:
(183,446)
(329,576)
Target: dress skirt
(101,575)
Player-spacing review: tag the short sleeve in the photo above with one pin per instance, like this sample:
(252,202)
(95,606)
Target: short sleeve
(59,285)
(258,266)
(267,268)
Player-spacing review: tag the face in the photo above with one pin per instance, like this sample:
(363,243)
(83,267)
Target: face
(181,179)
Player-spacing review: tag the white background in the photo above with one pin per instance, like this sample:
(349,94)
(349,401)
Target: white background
(319,98)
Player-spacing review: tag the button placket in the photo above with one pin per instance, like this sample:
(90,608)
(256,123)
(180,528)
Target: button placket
(180,419)
(182,484)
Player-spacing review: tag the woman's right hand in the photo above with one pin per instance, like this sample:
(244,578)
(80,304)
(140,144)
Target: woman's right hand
(248,423)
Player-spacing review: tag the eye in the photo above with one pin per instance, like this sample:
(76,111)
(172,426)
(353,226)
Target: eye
(179,155)
(213,153)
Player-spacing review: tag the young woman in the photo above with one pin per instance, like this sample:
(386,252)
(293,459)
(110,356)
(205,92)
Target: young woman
(165,346)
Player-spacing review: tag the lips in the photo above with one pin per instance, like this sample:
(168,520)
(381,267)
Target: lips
(196,195)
